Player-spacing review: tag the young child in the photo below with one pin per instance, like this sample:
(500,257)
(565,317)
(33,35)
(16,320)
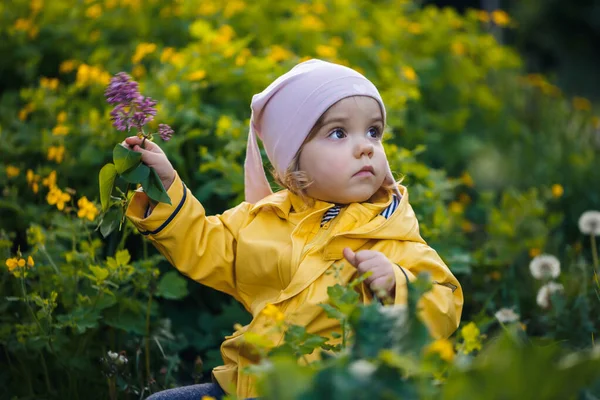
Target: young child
(321,125)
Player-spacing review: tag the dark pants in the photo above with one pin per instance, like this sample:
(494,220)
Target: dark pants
(192,392)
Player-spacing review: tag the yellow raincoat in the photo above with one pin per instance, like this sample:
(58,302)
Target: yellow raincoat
(270,253)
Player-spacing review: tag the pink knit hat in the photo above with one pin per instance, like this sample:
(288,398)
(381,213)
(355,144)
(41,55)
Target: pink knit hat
(285,112)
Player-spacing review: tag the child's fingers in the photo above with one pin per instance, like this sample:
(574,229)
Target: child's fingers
(350,256)
(133,141)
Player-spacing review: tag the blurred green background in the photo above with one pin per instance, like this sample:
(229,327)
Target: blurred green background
(492,121)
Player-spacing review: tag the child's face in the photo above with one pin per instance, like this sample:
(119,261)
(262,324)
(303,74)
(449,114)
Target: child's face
(347,142)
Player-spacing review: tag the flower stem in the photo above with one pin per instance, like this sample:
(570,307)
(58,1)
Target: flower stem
(46,377)
(148,336)
(595,257)
(43,248)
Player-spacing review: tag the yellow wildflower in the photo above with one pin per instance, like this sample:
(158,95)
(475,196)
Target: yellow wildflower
(87,209)
(138,71)
(409,73)
(60,130)
(56,153)
(67,66)
(326,51)
(207,398)
(12,263)
(500,18)
(467,180)
(456,207)
(534,252)
(88,75)
(278,53)
(167,54)
(142,50)
(58,197)
(496,275)
(458,48)
(336,41)
(12,171)
(365,41)
(557,190)
(197,75)
(312,23)
(32,180)
(61,117)
(30,262)
(273,312)
(49,83)
(581,103)
(472,338)
(319,8)
(207,8)
(442,347)
(224,35)
(483,16)
(233,7)
(467,226)
(242,58)
(50,180)
(22,24)
(36,6)
(414,28)
(94,11)
(25,111)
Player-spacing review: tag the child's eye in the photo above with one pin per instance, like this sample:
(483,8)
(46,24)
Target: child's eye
(337,134)
(374,132)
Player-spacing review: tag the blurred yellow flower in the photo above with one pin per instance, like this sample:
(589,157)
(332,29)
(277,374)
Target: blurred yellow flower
(88,75)
(581,103)
(415,28)
(336,41)
(242,58)
(233,7)
(87,209)
(67,66)
(272,312)
(32,180)
(534,252)
(483,16)
(166,54)
(312,23)
(35,235)
(443,347)
(456,207)
(36,6)
(197,75)
(224,35)
(207,8)
(22,24)
(141,51)
(458,48)
(496,275)
(467,180)
(25,111)
(94,11)
(49,83)
(56,153)
(60,130)
(58,197)
(472,338)
(319,8)
(364,41)
(16,265)
(326,51)
(30,262)
(467,226)
(278,53)
(464,198)
(409,73)
(50,180)
(557,190)
(207,398)
(12,171)
(500,17)
(138,71)
(61,117)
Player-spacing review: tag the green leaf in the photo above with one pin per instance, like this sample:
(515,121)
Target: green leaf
(108,173)
(110,221)
(155,189)
(99,272)
(123,257)
(125,159)
(139,174)
(172,286)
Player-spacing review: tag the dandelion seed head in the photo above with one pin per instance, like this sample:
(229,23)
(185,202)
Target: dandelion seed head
(589,223)
(506,315)
(545,266)
(544,295)
(362,369)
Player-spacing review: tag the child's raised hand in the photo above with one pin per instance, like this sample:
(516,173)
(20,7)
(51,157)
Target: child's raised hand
(153,156)
(382,268)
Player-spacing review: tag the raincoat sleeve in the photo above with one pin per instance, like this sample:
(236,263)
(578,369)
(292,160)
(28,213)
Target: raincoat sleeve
(441,307)
(199,246)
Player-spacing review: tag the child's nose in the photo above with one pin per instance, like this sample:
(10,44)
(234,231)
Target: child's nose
(364,148)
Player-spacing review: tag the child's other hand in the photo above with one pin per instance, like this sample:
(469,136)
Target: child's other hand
(153,156)
(382,268)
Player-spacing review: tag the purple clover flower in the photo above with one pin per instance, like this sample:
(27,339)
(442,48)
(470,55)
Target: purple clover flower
(165,132)
(131,108)
(121,89)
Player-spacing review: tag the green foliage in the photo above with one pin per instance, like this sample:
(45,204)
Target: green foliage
(499,167)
